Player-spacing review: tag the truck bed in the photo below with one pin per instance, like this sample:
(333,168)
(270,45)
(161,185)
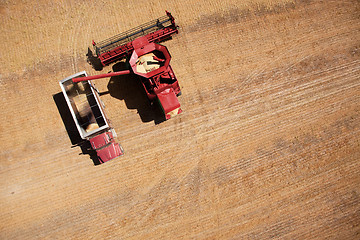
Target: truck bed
(85,106)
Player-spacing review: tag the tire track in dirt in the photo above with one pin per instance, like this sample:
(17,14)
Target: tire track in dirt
(74,39)
(223,89)
(247,207)
(227,144)
(62,33)
(309,119)
(317,194)
(315,36)
(193,222)
(294,49)
(256,161)
(288,107)
(164,130)
(271,89)
(106,208)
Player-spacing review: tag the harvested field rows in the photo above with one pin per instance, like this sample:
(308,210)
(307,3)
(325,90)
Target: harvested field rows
(267,145)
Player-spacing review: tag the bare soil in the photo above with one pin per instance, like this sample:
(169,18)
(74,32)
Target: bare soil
(267,145)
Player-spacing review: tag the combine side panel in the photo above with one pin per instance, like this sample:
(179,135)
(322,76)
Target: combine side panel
(169,103)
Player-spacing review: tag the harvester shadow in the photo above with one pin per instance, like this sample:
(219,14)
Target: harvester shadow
(129,88)
(94,61)
(71,129)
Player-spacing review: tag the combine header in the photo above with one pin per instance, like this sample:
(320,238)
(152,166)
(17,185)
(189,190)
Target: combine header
(121,45)
(148,60)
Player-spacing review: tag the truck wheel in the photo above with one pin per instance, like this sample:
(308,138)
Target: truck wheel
(121,148)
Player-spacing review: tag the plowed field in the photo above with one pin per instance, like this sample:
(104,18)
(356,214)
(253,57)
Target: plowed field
(267,145)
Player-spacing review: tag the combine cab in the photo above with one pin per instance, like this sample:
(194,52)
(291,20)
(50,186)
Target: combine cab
(148,60)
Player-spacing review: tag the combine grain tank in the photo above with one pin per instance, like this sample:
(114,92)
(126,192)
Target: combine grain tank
(89,117)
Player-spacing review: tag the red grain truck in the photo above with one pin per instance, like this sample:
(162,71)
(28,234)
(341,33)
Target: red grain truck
(87,111)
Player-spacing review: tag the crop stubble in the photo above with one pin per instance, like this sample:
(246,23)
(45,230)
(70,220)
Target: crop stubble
(267,145)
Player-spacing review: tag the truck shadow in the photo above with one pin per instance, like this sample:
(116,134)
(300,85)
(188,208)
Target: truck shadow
(129,88)
(71,129)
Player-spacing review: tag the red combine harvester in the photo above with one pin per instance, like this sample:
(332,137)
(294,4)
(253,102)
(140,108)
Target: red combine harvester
(149,60)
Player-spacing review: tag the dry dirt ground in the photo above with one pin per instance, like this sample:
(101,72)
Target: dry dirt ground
(267,145)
